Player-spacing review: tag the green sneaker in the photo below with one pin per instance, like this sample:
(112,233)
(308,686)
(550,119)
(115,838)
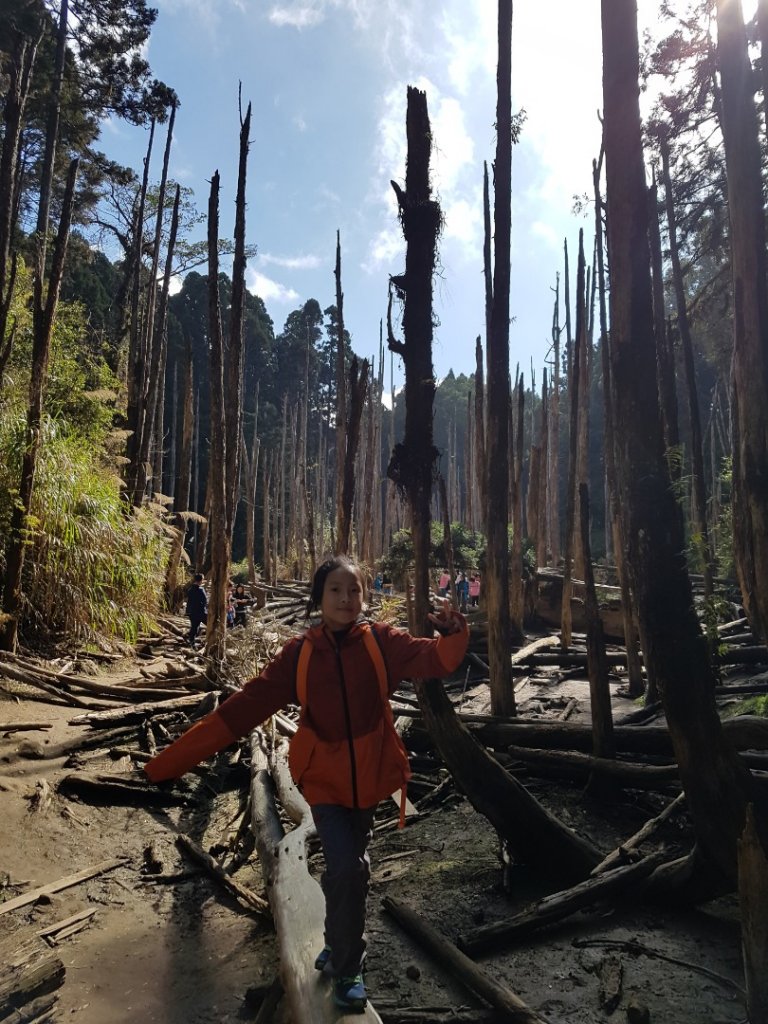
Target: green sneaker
(350,994)
(322,958)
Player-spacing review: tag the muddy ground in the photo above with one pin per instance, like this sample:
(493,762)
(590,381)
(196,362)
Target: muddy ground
(182,951)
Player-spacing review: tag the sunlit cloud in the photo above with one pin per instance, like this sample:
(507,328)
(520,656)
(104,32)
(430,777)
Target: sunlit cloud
(297,15)
(385,250)
(269,290)
(306,262)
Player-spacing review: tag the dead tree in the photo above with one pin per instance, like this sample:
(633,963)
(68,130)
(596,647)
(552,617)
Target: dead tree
(717,785)
(496,580)
(182,492)
(699,495)
(530,831)
(341,406)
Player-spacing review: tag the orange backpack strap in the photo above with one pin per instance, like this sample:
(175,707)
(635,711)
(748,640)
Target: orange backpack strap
(374,653)
(302,668)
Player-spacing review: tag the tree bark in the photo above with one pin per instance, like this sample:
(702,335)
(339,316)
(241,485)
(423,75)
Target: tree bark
(496,579)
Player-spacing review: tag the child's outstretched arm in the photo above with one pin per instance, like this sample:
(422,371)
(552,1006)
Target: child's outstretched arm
(237,716)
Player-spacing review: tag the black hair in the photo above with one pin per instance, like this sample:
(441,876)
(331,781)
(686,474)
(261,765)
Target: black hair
(321,575)
(198,577)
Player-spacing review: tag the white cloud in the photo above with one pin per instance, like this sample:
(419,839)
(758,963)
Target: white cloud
(386,247)
(299,122)
(298,15)
(547,233)
(292,262)
(463,221)
(269,290)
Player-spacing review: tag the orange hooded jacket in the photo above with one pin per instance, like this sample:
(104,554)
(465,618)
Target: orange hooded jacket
(344,752)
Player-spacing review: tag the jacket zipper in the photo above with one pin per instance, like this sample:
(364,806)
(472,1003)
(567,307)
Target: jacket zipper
(348,721)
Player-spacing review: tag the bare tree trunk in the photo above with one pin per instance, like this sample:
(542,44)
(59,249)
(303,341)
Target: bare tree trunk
(575,398)
(554,434)
(599,692)
(341,404)
(233,366)
(266,539)
(181,496)
(358,383)
(217,463)
(716,784)
(515,586)
(541,839)
(699,510)
(497,439)
(251,465)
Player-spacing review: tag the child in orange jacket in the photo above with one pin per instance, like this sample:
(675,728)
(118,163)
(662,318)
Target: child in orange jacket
(345,756)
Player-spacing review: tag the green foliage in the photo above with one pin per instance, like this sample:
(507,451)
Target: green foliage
(89,567)
(752,706)
(468,551)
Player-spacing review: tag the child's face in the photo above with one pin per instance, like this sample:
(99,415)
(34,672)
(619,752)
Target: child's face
(342,599)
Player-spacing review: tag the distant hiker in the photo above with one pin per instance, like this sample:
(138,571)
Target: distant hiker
(242,601)
(462,591)
(197,606)
(346,755)
(474,590)
(443,583)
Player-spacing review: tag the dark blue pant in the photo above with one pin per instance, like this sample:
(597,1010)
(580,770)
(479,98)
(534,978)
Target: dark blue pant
(344,834)
(195,622)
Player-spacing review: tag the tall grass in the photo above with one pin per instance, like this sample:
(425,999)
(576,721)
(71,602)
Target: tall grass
(89,568)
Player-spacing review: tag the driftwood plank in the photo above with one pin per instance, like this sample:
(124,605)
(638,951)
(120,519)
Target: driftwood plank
(62,883)
(461,967)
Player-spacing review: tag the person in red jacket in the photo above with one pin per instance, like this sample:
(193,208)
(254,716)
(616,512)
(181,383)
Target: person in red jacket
(345,756)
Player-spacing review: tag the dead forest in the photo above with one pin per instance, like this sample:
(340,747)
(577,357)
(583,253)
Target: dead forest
(602,750)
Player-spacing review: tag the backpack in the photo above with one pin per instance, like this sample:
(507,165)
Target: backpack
(374,652)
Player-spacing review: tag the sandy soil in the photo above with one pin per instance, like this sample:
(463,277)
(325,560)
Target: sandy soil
(185,952)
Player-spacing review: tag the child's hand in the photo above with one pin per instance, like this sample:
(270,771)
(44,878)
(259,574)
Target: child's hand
(448,620)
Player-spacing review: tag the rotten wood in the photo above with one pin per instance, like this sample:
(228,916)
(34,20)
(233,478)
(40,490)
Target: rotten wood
(559,905)
(62,883)
(27,973)
(25,727)
(205,860)
(138,712)
(461,967)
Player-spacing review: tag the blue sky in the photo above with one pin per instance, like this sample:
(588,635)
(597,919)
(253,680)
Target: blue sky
(327,79)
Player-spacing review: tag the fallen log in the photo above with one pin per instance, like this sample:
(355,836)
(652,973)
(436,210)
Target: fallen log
(745,732)
(461,967)
(62,883)
(116,790)
(298,906)
(138,712)
(27,973)
(38,752)
(54,933)
(558,906)
(25,727)
(205,860)
(571,765)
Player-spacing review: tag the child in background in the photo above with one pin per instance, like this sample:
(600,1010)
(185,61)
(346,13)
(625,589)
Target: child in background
(345,756)
(197,606)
